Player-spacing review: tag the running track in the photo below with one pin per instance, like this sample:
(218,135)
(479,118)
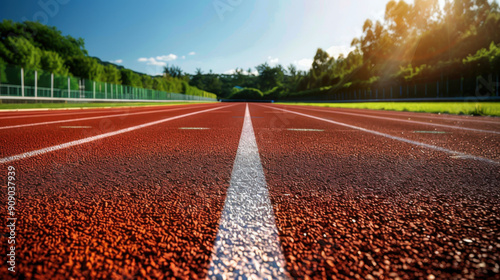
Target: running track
(255,190)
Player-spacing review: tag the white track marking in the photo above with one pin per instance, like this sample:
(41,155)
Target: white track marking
(416,115)
(429,132)
(194,128)
(92,118)
(305,129)
(247,242)
(81,112)
(406,121)
(49,115)
(98,137)
(436,148)
(75,126)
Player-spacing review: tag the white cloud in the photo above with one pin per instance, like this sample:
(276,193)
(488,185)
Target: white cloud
(118,61)
(169,57)
(303,64)
(159,60)
(183,57)
(335,51)
(272,61)
(152,61)
(192,53)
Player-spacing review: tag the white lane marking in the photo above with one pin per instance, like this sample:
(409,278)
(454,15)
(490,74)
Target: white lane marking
(406,121)
(91,118)
(194,128)
(74,126)
(97,137)
(447,117)
(454,153)
(305,129)
(429,132)
(48,115)
(247,242)
(83,111)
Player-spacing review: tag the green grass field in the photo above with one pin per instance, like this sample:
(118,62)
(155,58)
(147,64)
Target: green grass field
(458,108)
(86,105)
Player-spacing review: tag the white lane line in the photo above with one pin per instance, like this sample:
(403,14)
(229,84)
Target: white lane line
(91,118)
(98,137)
(75,126)
(48,115)
(447,117)
(193,128)
(83,111)
(429,132)
(453,153)
(247,242)
(406,121)
(305,129)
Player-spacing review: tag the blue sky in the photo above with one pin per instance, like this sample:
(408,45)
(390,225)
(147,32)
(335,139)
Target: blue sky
(220,35)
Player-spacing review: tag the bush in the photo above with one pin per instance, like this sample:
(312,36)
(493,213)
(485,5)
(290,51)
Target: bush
(248,94)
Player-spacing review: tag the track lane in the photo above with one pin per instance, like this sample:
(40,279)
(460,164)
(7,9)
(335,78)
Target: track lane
(50,122)
(474,143)
(438,124)
(350,204)
(144,203)
(26,139)
(465,120)
(84,113)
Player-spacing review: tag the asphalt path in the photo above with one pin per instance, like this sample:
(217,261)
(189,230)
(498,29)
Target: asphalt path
(129,193)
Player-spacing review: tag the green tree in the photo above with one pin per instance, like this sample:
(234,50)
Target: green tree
(131,78)
(52,62)
(270,77)
(20,51)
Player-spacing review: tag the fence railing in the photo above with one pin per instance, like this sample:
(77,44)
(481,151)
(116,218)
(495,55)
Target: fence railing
(16,84)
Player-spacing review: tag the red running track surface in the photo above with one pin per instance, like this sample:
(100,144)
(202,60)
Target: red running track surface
(348,204)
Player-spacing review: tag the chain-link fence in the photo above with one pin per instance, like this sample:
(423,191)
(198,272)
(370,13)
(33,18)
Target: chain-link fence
(27,83)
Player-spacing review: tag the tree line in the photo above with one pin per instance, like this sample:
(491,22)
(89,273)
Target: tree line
(415,43)
(35,46)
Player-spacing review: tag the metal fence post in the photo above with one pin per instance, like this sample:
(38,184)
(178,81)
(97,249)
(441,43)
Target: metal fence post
(51,85)
(105,91)
(22,82)
(93,90)
(69,87)
(36,84)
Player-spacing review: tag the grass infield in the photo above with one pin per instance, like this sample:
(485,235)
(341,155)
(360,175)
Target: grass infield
(458,108)
(86,105)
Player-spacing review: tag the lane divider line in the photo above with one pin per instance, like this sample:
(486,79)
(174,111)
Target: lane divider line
(247,245)
(91,118)
(444,116)
(416,143)
(406,121)
(98,137)
(51,115)
(305,129)
(76,126)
